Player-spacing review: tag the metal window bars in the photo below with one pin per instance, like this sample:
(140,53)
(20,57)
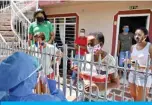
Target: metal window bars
(65,83)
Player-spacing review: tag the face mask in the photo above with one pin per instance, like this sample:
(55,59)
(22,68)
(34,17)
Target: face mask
(96,47)
(42,44)
(90,49)
(126,30)
(40,19)
(81,34)
(137,39)
(36,44)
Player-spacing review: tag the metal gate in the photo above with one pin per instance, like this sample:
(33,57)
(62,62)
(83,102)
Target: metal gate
(78,92)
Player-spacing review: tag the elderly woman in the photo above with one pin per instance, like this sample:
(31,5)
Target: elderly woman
(113,79)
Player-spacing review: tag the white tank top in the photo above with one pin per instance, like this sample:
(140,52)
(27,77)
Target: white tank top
(141,56)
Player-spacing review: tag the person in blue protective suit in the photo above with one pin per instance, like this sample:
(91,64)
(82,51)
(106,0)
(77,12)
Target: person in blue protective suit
(18,77)
(2,94)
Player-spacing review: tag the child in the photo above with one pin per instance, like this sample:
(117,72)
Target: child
(48,51)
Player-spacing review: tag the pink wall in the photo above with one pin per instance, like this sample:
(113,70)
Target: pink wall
(97,16)
(49,2)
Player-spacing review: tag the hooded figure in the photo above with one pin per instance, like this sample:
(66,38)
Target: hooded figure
(18,77)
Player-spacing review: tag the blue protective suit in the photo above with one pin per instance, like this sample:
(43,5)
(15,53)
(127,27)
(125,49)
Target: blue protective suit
(18,76)
(2,94)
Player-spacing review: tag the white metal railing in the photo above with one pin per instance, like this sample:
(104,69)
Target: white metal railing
(19,22)
(67,87)
(2,38)
(4,8)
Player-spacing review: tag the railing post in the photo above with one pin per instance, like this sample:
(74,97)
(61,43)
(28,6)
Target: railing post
(65,68)
(37,4)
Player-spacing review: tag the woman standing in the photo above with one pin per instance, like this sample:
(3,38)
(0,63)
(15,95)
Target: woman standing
(140,53)
(41,24)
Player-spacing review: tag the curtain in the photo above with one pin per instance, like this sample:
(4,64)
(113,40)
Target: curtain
(61,31)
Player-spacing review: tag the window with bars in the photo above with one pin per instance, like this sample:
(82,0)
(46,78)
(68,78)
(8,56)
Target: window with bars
(65,30)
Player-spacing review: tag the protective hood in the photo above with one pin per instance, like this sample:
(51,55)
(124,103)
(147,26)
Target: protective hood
(14,73)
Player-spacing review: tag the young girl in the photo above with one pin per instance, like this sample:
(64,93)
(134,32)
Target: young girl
(45,59)
(139,53)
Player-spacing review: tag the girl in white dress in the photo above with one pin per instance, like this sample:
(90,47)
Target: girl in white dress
(140,53)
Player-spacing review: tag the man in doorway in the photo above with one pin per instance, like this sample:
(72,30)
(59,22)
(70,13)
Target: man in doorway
(124,44)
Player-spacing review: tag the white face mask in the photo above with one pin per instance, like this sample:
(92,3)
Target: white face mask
(89,48)
(96,47)
(82,34)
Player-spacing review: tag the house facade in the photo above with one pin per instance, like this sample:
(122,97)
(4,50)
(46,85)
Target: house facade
(105,16)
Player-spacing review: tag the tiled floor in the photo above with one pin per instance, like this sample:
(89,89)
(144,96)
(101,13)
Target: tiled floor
(118,93)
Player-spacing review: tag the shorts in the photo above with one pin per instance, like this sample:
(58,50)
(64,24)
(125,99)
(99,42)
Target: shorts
(139,79)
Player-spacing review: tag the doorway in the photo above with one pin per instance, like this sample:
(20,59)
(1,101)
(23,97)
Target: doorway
(129,13)
(134,21)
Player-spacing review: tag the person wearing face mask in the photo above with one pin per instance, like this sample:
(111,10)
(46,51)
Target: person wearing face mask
(41,24)
(46,60)
(19,74)
(80,42)
(124,44)
(139,54)
(100,70)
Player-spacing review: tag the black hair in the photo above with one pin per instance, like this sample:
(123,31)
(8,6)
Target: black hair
(145,31)
(99,36)
(40,11)
(42,36)
(82,29)
(125,25)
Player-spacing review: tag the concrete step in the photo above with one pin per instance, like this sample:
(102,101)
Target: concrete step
(5,28)
(3,23)
(6,14)
(5,19)
(10,39)
(13,44)
(7,33)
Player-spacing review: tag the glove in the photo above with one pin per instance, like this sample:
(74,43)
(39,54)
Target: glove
(52,85)
(43,78)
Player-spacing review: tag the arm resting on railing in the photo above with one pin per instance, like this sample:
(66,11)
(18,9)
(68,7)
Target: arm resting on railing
(30,39)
